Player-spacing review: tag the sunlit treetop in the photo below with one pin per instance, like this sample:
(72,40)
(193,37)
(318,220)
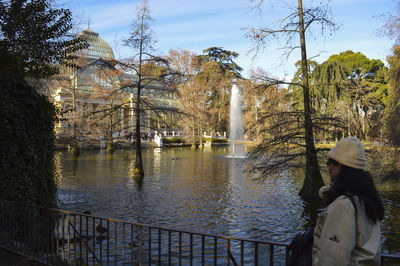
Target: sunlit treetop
(358,63)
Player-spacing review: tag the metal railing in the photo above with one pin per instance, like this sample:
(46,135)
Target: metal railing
(57,237)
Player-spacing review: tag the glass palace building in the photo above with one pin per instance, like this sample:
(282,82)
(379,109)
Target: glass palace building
(100,97)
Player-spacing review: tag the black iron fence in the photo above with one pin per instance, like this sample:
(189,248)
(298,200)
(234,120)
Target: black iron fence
(57,237)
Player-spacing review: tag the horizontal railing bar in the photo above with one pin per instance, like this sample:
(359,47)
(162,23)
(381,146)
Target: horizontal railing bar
(282,244)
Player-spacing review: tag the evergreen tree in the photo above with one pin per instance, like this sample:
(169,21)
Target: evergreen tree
(327,85)
(359,64)
(351,87)
(35,38)
(223,57)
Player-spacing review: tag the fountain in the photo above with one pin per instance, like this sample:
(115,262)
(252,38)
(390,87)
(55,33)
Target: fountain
(236,149)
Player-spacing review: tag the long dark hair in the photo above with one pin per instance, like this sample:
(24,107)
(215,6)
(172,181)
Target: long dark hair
(359,182)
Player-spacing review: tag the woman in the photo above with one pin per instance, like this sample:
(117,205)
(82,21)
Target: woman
(348,231)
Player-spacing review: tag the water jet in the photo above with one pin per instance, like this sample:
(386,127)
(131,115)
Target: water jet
(236,146)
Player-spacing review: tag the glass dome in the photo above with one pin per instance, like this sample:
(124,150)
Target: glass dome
(98,48)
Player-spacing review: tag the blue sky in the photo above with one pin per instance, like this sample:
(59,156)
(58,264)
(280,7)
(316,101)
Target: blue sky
(199,24)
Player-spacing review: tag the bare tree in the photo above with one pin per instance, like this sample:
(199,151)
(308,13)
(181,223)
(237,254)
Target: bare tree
(141,40)
(391,28)
(291,27)
(150,70)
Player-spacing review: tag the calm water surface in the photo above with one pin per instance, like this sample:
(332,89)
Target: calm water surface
(199,191)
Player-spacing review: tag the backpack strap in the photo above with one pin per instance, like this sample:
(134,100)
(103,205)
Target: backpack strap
(350,197)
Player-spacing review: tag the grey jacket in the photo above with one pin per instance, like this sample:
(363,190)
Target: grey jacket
(338,240)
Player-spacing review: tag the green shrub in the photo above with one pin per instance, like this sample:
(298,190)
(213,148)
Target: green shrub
(27,144)
(216,140)
(173,140)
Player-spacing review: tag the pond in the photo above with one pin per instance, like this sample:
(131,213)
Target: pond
(200,191)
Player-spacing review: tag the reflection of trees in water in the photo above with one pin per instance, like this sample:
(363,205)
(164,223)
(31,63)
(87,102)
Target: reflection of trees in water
(311,207)
(75,164)
(391,222)
(58,167)
(384,165)
(311,211)
(197,175)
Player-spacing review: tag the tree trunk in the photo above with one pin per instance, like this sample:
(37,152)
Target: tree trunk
(75,152)
(194,135)
(138,170)
(110,142)
(201,145)
(313,179)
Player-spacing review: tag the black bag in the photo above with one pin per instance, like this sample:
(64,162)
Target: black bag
(300,249)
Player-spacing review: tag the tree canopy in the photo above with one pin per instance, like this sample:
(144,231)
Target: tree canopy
(35,37)
(392,116)
(223,57)
(358,63)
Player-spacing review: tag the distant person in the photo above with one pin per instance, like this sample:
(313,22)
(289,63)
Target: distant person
(129,136)
(345,235)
